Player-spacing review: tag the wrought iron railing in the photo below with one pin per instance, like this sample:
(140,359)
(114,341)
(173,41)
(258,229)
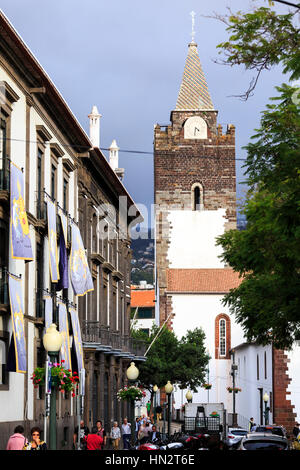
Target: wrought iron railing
(92,332)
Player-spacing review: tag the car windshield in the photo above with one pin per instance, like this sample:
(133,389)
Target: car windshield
(264,445)
(238,432)
(276,431)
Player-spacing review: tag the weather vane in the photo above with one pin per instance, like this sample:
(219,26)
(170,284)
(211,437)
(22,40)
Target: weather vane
(193,14)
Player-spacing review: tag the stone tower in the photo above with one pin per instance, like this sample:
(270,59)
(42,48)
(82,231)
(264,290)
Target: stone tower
(194,181)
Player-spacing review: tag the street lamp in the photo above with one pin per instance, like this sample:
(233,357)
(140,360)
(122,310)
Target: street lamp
(52,341)
(132,374)
(189,396)
(267,408)
(169,390)
(155,389)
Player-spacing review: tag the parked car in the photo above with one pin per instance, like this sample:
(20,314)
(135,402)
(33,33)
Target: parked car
(272,429)
(234,437)
(263,441)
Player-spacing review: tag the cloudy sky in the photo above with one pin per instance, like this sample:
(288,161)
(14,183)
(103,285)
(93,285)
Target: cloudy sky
(127,57)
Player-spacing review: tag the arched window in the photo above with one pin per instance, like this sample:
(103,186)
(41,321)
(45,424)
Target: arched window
(197,197)
(222,336)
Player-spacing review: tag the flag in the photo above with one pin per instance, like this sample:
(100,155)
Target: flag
(17,316)
(81,278)
(48,311)
(63,282)
(19,228)
(77,342)
(64,223)
(52,240)
(64,330)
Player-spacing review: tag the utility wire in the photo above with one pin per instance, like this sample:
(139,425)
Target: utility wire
(139,152)
(287,3)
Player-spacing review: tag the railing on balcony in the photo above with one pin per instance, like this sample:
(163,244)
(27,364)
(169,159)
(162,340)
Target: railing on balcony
(92,332)
(41,205)
(4,174)
(4,300)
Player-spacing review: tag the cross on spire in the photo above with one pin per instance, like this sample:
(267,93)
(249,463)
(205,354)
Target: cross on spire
(193,14)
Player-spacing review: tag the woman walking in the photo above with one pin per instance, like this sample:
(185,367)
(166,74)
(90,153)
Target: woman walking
(115,436)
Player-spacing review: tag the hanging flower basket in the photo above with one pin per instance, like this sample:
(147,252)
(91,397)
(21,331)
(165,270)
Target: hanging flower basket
(63,379)
(214,414)
(207,386)
(234,389)
(131,393)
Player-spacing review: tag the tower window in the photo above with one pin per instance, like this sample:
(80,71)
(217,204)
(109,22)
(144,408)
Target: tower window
(197,197)
(222,336)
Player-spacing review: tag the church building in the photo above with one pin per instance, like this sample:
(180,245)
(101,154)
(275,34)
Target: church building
(195,197)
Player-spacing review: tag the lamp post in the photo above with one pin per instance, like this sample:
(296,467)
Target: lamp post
(155,389)
(169,390)
(52,341)
(267,408)
(132,374)
(189,396)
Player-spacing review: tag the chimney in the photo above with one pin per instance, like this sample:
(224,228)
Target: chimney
(94,118)
(114,159)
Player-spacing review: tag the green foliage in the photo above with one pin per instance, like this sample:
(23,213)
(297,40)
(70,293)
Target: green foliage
(267,302)
(183,362)
(62,378)
(261,39)
(131,393)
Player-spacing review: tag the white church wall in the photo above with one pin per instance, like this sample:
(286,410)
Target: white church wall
(294,374)
(200,310)
(192,238)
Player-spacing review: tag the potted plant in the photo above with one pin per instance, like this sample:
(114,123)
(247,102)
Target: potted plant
(64,379)
(207,386)
(214,414)
(131,393)
(230,389)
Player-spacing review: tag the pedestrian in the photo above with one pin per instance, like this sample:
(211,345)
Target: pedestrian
(84,431)
(35,443)
(148,406)
(296,430)
(143,434)
(251,424)
(101,432)
(93,440)
(137,427)
(115,436)
(17,440)
(126,433)
(154,435)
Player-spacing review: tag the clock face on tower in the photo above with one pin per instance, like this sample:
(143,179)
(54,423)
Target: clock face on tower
(195,128)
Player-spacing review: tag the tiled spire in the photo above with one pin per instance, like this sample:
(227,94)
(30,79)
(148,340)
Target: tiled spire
(193,93)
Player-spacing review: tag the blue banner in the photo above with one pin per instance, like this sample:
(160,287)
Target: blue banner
(19,228)
(52,240)
(77,338)
(81,278)
(48,311)
(63,282)
(64,223)
(17,316)
(65,353)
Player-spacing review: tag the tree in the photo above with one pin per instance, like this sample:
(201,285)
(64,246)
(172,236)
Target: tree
(183,361)
(266,254)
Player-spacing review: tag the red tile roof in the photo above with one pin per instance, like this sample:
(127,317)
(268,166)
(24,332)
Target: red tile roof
(142,298)
(202,280)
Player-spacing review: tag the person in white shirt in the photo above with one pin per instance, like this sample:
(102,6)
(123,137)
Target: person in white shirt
(126,433)
(115,436)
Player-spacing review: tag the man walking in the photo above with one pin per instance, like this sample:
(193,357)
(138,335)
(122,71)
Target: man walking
(126,434)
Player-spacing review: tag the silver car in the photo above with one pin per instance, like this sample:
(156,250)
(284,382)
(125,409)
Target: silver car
(263,441)
(234,437)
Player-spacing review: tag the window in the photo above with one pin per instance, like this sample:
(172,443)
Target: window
(39,281)
(65,195)
(265,359)
(3,360)
(53,181)
(222,336)
(257,367)
(145,312)
(197,197)
(222,333)
(3,154)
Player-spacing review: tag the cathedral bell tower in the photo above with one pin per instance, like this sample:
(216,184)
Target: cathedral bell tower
(194,182)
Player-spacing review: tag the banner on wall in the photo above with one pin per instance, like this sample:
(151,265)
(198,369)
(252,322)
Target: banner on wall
(63,282)
(81,278)
(64,223)
(17,316)
(19,228)
(77,339)
(64,330)
(48,311)
(52,240)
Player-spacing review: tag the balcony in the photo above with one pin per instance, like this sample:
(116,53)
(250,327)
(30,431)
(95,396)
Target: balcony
(4,179)
(102,339)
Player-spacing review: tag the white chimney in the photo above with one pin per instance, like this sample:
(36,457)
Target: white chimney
(94,118)
(114,155)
